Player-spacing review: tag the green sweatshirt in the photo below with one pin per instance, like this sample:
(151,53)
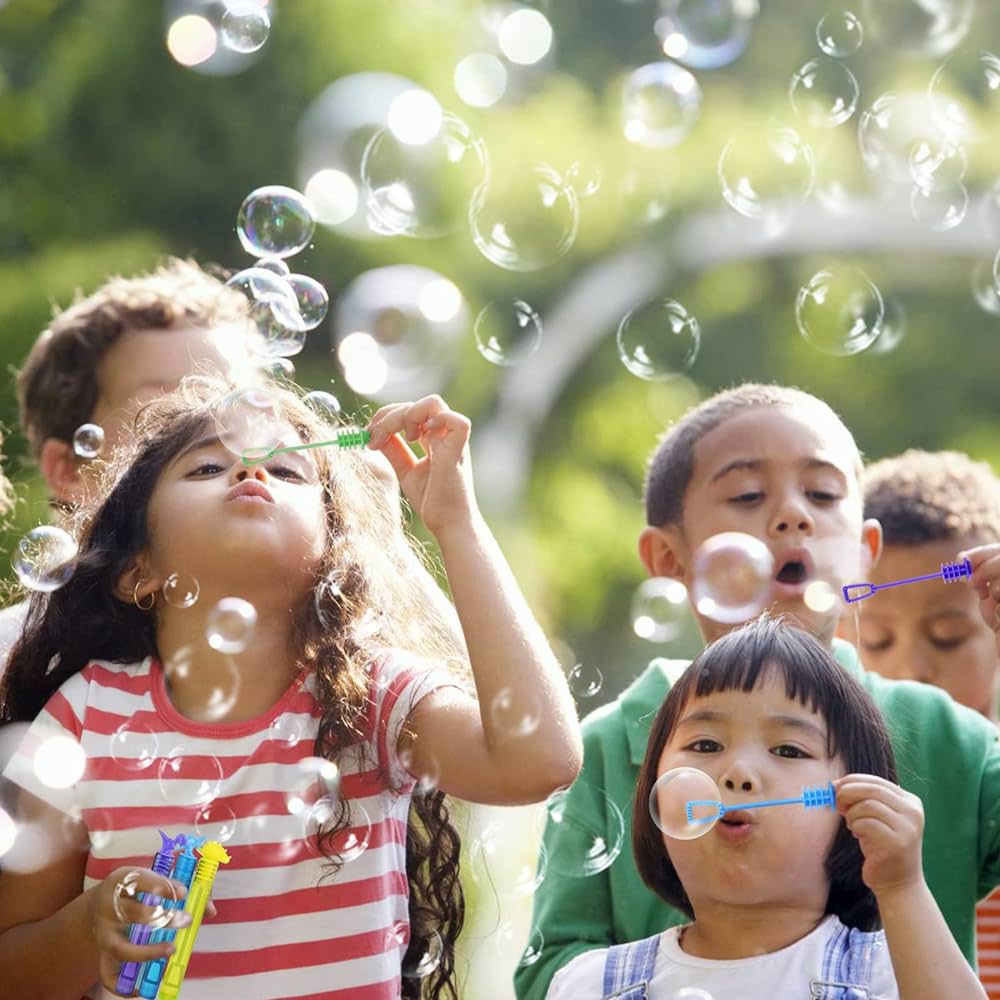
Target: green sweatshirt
(945,753)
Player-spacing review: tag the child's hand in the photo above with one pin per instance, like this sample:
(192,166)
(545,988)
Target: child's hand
(114,906)
(888,823)
(985,581)
(439,485)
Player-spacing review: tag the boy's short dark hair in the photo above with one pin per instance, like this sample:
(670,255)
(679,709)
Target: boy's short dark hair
(923,496)
(738,661)
(671,465)
(57,388)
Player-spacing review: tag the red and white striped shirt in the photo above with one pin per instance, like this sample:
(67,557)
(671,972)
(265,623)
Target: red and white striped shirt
(988,943)
(280,932)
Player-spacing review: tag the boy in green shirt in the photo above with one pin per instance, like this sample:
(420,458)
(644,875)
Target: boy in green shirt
(777,464)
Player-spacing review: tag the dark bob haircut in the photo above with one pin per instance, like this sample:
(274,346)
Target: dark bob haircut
(739,661)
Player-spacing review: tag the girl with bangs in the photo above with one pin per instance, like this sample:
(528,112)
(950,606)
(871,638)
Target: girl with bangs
(319,752)
(783,902)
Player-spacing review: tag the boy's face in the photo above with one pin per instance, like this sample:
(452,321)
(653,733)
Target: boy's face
(931,632)
(789,478)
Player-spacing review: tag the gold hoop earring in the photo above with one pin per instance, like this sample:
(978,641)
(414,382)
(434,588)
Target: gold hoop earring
(137,602)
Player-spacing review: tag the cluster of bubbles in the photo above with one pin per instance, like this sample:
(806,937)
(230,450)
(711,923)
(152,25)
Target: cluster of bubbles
(217,39)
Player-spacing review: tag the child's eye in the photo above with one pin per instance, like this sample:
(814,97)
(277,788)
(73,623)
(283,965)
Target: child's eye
(787,750)
(746,498)
(948,643)
(704,746)
(285,472)
(821,496)
(879,646)
(206,469)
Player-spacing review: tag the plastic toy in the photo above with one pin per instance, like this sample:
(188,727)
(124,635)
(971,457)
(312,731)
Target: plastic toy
(346,438)
(949,572)
(812,798)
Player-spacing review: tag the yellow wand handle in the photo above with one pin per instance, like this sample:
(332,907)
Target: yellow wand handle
(212,854)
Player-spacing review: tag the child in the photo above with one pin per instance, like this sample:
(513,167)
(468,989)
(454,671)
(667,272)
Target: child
(782,901)
(129,341)
(931,506)
(777,464)
(180,735)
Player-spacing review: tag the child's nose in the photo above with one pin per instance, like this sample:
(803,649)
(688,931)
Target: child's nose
(256,471)
(745,785)
(791,517)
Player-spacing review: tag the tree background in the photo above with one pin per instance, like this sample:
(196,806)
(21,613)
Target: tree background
(112,155)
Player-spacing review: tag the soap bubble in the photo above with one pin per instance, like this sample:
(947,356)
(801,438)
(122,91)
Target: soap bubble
(515,714)
(940,209)
(965,96)
(840,311)
(890,134)
(88,440)
(764,176)
(658,340)
(161,913)
(584,179)
(733,573)
(45,558)
(532,950)
(287,729)
(984,288)
(502,871)
(245,26)
(669,798)
(248,418)
(919,27)
(840,33)
(660,104)
(350,843)
(271,297)
(422,189)
(324,403)
(426,961)
(585,681)
(134,745)
(658,609)
(893,328)
(311,299)
(216,821)
(275,221)
(588,844)
(187,779)
(525,220)
(937,166)
(705,34)
(275,265)
(824,92)
(231,625)
(277,368)
(180,590)
(507,332)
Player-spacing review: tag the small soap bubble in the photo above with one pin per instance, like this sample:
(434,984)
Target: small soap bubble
(126,888)
(526,220)
(705,34)
(186,779)
(59,762)
(765,175)
(588,844)
(286,730)
(984,288)
(272,299)
(231,625)
(532,950)
(584,179)
(427,960)
(324,403)
(275,265)
(821,596)
(669,798)
(422,189)
(426,773)
(658,609)
(248,418)
(937,165)
(918,27)
(658,340)
(245,26)
(965,96)
(824,92)
(313,302)
(840,33)
(496,869)
(350,843)
(939,209)
(88,440)
(507,332)
(893,328)
(660,104)
(180,590)
(278,368)
(585,681)
(840,311)
(45,558)
(134,745)
(275,221)
(216,821)
(733,573)
(515,714)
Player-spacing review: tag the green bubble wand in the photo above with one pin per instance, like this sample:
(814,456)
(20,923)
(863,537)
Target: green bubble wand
(346,438)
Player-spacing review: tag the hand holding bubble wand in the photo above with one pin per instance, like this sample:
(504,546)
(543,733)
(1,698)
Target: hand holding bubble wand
(346,438)
(212,855)
(949,572)
(143,933)
(685,803)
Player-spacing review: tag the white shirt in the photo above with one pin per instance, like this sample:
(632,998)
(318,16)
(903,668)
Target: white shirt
(784,973)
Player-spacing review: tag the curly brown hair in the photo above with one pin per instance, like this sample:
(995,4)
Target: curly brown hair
(57,389)
(369,567)
(926,496)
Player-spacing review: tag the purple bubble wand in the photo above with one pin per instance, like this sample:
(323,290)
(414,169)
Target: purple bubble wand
(949,572)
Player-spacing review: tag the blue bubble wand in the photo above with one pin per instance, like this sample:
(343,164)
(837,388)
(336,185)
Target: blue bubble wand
(949,572)
(812,798)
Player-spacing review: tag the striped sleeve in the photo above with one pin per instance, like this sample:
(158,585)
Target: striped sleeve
(49,761)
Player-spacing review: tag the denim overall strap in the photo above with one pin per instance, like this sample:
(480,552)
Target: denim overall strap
(628,969)
(847,966)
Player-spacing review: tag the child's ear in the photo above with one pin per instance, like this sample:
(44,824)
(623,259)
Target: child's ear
(137,583)
(664,552)
(871,542)
(61,471)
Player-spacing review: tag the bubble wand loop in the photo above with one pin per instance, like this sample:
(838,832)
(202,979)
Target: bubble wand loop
(346,438)
(812,798)
(212,855)
(949,572)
